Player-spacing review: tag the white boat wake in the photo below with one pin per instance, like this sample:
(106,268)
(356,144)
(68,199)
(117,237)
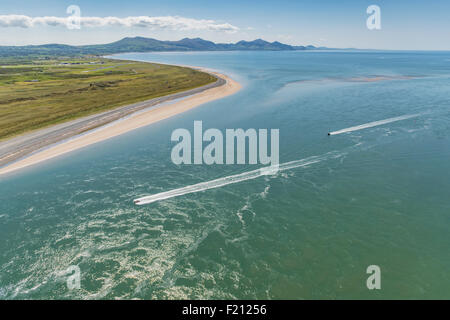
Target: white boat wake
(249,175)
(374,124)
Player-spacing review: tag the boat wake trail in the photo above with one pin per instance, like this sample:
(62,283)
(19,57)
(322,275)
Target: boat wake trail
(249,175)
(374,124)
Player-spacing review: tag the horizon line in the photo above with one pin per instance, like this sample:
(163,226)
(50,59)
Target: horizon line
(292,45)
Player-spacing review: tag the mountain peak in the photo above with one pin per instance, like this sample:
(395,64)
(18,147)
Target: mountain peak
(142,44)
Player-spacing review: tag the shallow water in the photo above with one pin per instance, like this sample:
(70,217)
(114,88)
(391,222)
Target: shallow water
(307,233)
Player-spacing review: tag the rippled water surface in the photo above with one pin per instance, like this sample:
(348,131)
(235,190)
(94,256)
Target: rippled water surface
(308,232)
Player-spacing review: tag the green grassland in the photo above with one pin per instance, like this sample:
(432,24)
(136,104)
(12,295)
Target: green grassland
(40,93)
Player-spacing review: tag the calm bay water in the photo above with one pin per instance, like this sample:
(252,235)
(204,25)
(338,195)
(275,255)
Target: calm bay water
(307,233)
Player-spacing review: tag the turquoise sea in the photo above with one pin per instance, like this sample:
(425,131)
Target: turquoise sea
(306,233)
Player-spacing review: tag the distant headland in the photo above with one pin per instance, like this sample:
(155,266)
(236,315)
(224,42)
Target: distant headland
(141,44)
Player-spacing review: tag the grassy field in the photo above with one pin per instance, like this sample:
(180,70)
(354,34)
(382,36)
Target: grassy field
(40,93)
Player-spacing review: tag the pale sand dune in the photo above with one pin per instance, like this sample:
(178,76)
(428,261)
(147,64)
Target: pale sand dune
(135,121)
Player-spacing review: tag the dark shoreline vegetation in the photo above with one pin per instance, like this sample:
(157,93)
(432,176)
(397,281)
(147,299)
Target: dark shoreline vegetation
(140,44)
(40,92)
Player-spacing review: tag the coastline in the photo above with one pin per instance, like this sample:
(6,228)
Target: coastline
(64,138)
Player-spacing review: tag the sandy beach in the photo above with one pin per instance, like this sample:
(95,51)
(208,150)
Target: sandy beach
(131,122)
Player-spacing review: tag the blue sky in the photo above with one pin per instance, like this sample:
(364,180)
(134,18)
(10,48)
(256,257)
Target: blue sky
(405,24)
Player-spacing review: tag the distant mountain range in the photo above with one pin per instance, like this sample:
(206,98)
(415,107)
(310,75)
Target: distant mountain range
(141,44)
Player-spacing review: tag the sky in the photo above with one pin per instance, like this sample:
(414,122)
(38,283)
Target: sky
(405,24)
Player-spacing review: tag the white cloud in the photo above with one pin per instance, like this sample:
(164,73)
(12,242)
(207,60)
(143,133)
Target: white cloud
(166,22)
